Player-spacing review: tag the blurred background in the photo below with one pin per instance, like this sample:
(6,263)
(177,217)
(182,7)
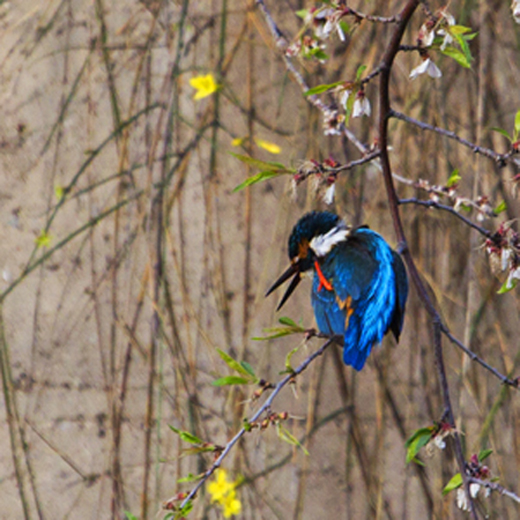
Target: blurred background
(109,165)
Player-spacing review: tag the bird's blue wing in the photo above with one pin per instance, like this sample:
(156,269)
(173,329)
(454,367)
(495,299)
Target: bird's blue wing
(361,305)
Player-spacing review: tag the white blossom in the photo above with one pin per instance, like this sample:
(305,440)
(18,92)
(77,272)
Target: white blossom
(361,105)
(462,499)
(515,9)
(439,442)
(474,489)
(512,279)
(328,196)
(428,67)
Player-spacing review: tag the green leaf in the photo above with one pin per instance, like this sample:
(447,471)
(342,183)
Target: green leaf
(462,41)
(271,166)
(130,516)
(345,27)
(350,105)
(248,368)
(484,454)
(288,437)
(458,29)
(280,332)
(302,13)
(502,131)
(259,177)
(319,89)
(190,478)
(288,368)
(360,71)
(231,380)
(457,55)
(186,436)
(418,439)
(284,320)
(517,126)
(233,364)
(186,509)
(318,53)
(500,208)
(507,286)
(454,178)
(454,483)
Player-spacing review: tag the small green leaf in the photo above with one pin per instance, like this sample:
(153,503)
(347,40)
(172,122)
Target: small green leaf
(233,364)
(457,55)
(345,27)
(500,208)
(319,89)
(502,131)
(248,368)
(360,71)
(517,126)
(190,478)
(288,437)
(130,516)
(302,13)
(271,166)
(186,509)
(288,368)
(259,177)
(507,286)
(186,436)
(454,483)
(418,439)
(348,108)
(318,53)
(284,320)
(231,380)
(458,29)
(454,178)
(484,454)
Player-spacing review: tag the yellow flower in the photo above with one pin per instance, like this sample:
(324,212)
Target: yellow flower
(223,492)
(266,145)
(232,506)
(43,240)
(204,85)
(220,487)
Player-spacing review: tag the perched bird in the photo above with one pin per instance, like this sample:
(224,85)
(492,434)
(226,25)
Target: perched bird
(359,288)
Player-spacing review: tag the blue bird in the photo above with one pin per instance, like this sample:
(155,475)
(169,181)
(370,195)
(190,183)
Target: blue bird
(360,285)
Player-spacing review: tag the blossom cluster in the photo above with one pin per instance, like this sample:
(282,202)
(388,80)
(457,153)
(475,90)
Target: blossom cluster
(477,470)
(504,254)
(223,492)
(324,176)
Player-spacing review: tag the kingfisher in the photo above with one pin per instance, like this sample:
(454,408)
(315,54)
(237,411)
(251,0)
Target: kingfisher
(359,287)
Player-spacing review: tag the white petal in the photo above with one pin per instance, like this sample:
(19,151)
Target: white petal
(357,111)
(462,501)
(328,196)
(505,256)
(433,70)
(474,489)
(428,39)
(420,69)
(343,98)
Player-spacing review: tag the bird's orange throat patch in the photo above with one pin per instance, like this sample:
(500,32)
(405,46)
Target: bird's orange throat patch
(323,281)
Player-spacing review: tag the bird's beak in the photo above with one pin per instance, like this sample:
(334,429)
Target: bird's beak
(293,269)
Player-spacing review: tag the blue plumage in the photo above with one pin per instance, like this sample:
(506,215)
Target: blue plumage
(360,285)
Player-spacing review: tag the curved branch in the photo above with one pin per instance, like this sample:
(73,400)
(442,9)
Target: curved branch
(385,113)
(449,209)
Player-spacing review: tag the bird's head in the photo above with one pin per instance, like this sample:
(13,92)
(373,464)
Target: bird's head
(313,237)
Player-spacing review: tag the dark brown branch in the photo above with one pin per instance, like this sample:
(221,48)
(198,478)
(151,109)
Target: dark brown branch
(385,113)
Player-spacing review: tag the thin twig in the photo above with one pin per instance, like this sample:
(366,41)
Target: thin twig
(505,380)
(495,486)
(500,158)
(449,209)
(265,407)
